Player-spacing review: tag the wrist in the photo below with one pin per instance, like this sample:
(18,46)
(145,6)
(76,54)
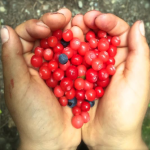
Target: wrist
(134,143)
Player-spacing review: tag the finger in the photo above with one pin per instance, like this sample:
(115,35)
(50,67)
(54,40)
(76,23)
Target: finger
(54,20)
(137,64)
(14,66)
(77,32)
(114,26)
(30,31)
(78,21)
(89,19)
(68,26)
(27,58)
(121,56)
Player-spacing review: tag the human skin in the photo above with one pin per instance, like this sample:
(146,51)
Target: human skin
(116,119)
(42,123)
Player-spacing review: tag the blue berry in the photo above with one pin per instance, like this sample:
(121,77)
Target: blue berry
(63,59)
(91,103)
(64,43)
(72,102)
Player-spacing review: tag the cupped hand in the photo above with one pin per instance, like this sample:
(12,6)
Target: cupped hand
(42,123)
(116,119)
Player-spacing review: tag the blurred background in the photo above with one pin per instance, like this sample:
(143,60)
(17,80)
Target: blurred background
(14,12)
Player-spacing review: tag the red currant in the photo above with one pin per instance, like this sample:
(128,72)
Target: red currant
(112,51)
(84,47)
(63,101)
(115,41)
(45,72)
(53,65)
(58,34)
(76,110)
(77,121)
(79,84)
(79,102)
(75,43)
(86,116)
(58,74)
(99,92)
(66,84)
(90,95)
(89,57)
(103,74)
(70,94)
(68,51)
(48,54)
(111,60)
(44,43)
(90,35)
(103,44)
(81,70)
(93,42)
(102,34)
(111,69)
(85,106)
(103,83)
(36,61)
(58,48)
(103,55)
(58,91)
(52,41)
(80,94)
(39,51)
(67,35)
(91,75)
(51,82)
(76,59)
(88,85)
(64,66)
(109,39)
(72,72)
(97,64)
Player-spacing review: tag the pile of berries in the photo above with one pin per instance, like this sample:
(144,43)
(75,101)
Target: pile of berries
(77,71)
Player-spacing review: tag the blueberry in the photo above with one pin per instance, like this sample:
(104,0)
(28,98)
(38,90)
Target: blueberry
(64,43)
(91,103)
(63,59)
(72,102)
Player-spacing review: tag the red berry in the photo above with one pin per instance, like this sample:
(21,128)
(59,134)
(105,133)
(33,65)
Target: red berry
(58,74)
(85,64)
(75,43)
(96,51)
(56,56)
(103,74)
(45,64)
(99,92)
(90,35)
(85,106)
(76,110)
(67,35)
(51,82)
(64,66)
(80,94)
(103,83)
(77,121)
(48,54)
(79,102)
(91,75)
(86,116)
(53,65)
(109,39)
(66,84)
(70,94)
(45,72)
(63,101)
(44,43)
(72,72)
(103,55)
(38,51)
(81,70)
(68,51)
(36,61)
(84,47)
(102,34)
(115,41)
(93,42)
(89,57)
(58,91)
(58,34)
(58,48)
(76,59)
(90,95)
(97,64)
(103,44)
(111,69)
(112,51)
(52,41)
(111,60)
(79,84)
(88,85)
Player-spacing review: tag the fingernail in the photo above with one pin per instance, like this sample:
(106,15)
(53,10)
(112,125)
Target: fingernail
(4,34)
(53,13)
(142,28)
(40,23)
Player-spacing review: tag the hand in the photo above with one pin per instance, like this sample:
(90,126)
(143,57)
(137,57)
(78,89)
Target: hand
(42,123)
(117,118)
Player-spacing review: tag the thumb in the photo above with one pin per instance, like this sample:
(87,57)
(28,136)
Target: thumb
(14,66)
(137,63)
